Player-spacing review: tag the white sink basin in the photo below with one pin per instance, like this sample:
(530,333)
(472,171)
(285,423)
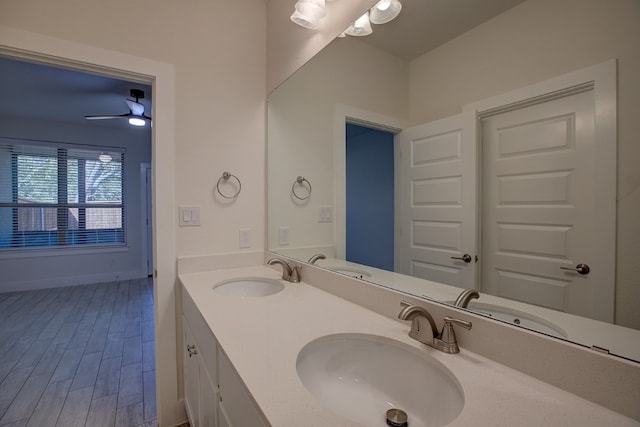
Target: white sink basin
(519,318)
(361,376)
(249,287)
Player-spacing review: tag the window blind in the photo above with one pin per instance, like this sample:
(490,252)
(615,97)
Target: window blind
(59,195)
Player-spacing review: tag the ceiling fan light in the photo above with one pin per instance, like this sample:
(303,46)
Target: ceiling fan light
(136,121)
(361,27)
(105,157)
(385,11)
(308,13)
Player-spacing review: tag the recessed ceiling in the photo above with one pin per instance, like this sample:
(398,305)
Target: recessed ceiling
(41,92)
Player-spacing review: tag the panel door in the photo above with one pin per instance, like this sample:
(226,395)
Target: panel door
(538,214)
(437,200)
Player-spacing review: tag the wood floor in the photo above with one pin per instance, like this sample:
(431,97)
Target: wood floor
(78,356)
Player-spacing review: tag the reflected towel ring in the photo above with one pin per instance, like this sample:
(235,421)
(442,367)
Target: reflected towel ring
(225,177)
(300,181)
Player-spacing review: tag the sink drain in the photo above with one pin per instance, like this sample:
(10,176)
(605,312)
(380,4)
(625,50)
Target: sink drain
(397,418)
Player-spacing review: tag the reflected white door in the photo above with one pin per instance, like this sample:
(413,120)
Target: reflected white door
(538,203)
(437,165)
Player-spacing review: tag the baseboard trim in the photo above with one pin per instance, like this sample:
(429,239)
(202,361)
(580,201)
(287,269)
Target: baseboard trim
(59,282)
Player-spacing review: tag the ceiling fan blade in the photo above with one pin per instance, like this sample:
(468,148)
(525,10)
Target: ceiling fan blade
(105,117)
(135,107)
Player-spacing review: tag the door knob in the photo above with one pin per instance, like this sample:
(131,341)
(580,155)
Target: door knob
(580,269)
(466,258)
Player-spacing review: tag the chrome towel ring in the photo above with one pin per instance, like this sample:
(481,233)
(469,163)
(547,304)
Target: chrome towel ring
(225,177)
(300,183)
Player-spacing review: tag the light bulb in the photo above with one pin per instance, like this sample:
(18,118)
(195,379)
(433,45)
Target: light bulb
(136,121)
(384,11)
(362,26)
(308,13)
(383,5)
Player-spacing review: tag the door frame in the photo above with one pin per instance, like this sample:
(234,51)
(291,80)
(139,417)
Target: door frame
(38,48)
(146,217)
(343,114)
(601,78)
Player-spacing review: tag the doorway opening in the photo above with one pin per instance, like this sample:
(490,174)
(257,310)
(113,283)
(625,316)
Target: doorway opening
(370,190)
(99,333)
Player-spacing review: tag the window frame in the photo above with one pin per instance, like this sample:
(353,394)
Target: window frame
(63,206)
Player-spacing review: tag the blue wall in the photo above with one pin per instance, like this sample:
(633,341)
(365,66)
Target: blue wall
(370,197)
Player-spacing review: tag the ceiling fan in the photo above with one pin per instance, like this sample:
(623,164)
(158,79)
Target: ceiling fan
(135,115)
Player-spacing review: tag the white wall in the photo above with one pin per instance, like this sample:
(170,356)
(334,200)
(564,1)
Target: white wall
(538,40)
(301,130)
(33,271)
(290,46)
(209,105)
(220,86)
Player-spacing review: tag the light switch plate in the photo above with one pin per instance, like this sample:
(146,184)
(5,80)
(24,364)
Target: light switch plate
(325,214)
(188,216)
(244,238)
(283,236)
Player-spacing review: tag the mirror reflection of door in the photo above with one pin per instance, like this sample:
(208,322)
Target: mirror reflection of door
(538,215)
(537,205)
(370,196)
(437,211)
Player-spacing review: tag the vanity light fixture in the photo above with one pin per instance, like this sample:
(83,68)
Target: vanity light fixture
(385,11)
(308,13)
(361,27)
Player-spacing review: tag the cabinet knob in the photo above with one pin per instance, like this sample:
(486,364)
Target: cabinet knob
(192,350)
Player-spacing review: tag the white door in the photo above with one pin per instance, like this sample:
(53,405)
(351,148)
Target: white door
(437,201)
(538,204)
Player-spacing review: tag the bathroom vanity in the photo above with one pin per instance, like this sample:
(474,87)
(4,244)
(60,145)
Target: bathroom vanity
(243,359)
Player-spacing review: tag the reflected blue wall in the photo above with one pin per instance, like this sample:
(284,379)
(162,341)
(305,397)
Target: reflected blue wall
(370,197)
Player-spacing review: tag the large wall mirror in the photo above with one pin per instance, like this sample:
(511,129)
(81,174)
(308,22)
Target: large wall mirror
(489,146)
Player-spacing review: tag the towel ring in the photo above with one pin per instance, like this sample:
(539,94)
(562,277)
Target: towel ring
(300,181)
(225,177)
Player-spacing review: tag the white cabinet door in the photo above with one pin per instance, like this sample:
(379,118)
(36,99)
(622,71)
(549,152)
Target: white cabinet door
(208,398)
(236,402)
(223,420)
(200,390)
(191,377)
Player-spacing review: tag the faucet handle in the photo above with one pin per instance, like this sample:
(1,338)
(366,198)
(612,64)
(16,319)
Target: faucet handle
(449,320)
(447,340)
(295,274)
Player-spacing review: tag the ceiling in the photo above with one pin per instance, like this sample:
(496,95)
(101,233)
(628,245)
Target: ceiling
(41,92)
(424,25)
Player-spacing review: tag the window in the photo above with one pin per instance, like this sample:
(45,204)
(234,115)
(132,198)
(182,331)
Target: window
(57,195)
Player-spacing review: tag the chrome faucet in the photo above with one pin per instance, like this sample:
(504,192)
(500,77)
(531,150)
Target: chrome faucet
(289,273)
(466,296)
(423,328)
(315,258)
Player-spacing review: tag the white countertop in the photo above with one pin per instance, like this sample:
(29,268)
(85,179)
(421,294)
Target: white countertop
(262,338)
